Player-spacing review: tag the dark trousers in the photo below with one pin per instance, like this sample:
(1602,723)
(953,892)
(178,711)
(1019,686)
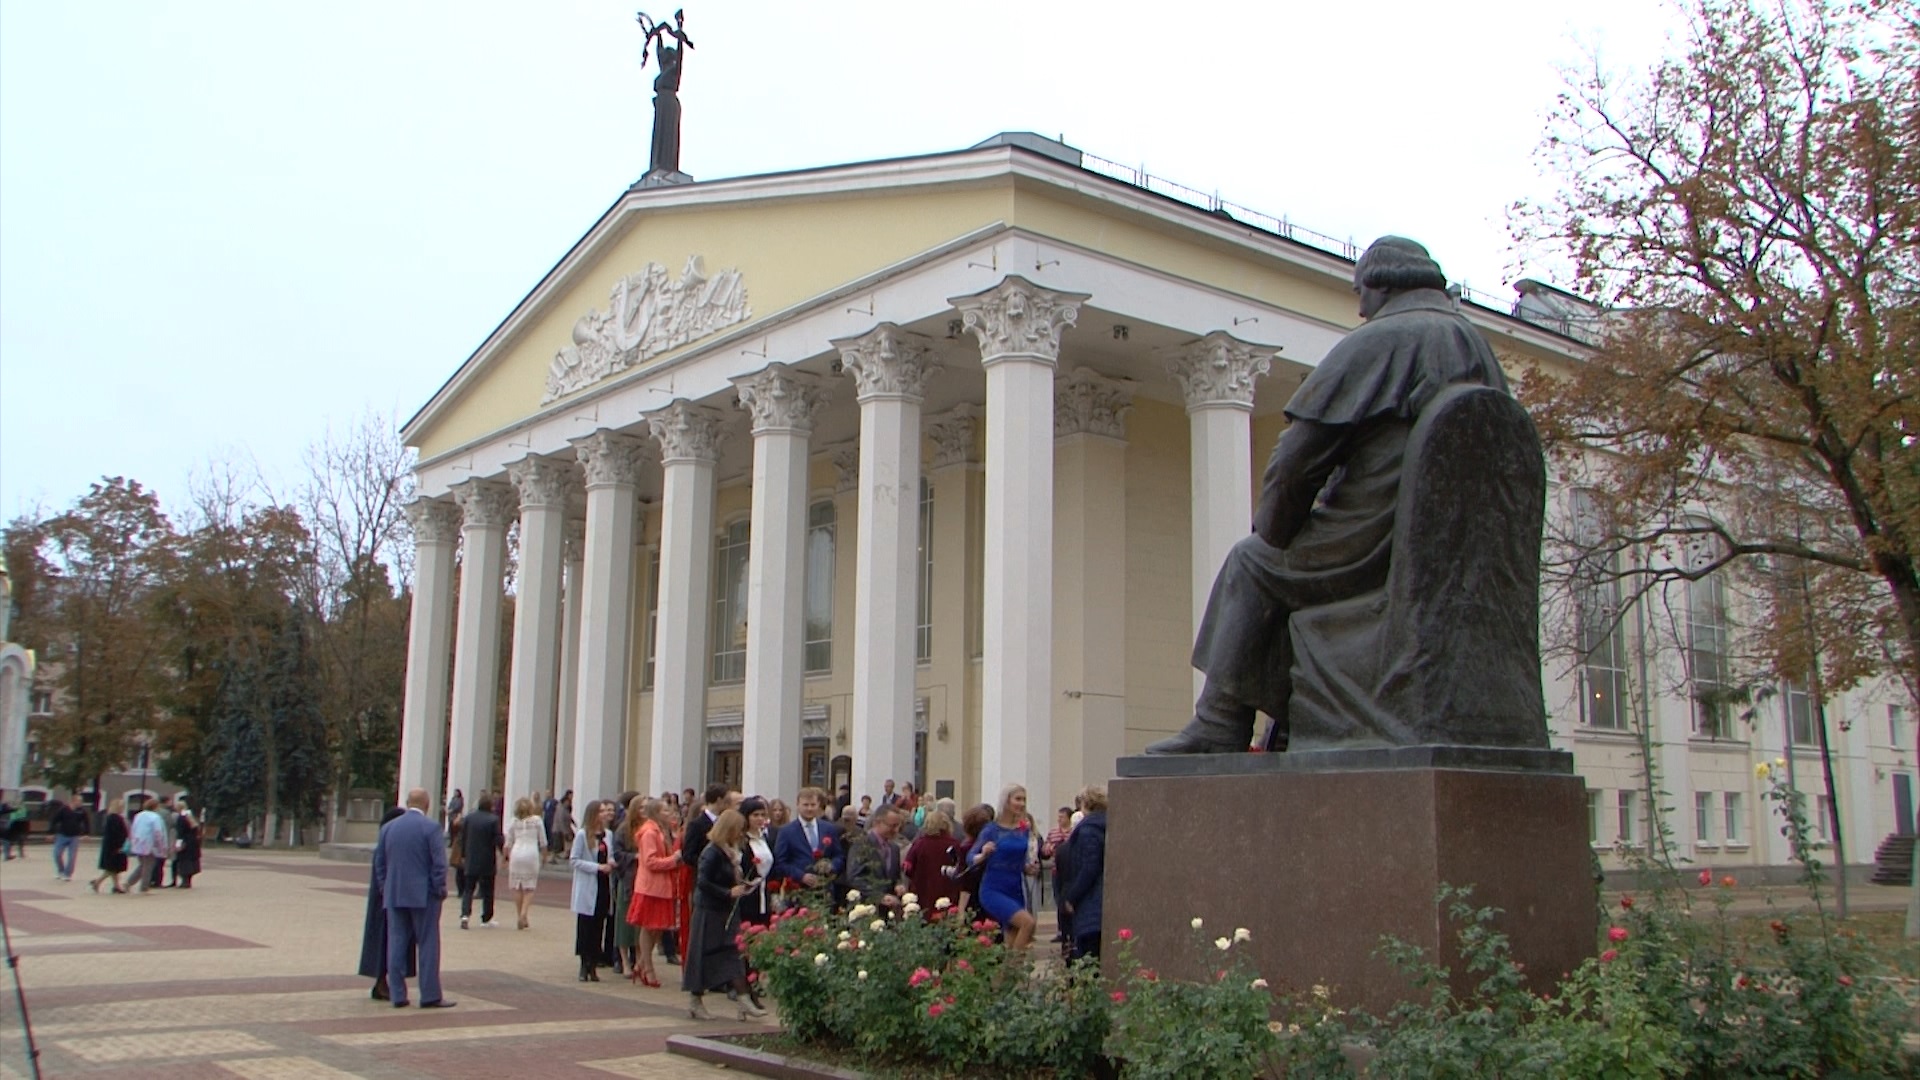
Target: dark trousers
(409,929)
(1085,945)
(475,883)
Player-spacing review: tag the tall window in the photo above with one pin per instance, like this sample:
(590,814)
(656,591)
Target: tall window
(730,604)
(1703,817)
(1593,815)
(1823,818)
(1603,671)
(1707,656)
(652,643)
(1799,706)
(1733,816)
(1896,725)
(819,602)
(923,617)
(1624,809)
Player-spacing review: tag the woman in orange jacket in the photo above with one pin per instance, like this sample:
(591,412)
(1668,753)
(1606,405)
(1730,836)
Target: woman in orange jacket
(655,876)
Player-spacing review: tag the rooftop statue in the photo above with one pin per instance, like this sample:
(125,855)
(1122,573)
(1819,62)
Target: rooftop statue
(664,159)
(1389,592)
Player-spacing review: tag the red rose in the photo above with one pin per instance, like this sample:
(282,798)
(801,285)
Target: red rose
(1608,957)
(1626,902)
(1119,996)
(826,841)
(818,854)
(1617,934)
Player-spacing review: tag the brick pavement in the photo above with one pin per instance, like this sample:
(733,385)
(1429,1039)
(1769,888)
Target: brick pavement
(250,974)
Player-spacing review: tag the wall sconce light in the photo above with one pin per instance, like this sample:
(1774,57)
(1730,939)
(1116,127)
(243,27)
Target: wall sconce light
(840,737)
(941,731)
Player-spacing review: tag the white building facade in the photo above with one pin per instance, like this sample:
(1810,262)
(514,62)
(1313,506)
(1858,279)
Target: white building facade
(914,470)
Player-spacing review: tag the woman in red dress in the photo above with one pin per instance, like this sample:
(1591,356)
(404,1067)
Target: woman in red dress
(682,888)
(654,908)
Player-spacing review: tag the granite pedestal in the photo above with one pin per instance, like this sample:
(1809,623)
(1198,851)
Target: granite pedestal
(1322,854)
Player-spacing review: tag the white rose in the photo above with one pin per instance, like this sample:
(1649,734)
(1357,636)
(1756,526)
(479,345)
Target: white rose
(1196,924)
(911,909)
(819,959)
(1259,984)
(909,898)
(942,904)
(1222,944)
(844,935)
(844,946)
(853,896)
(1242,934)
(877,924)
(862,976)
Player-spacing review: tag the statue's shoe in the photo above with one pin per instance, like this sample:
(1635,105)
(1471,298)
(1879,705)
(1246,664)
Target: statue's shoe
(1201,739)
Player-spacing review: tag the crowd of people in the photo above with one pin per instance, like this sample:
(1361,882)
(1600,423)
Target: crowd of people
(157,839)
(672,878)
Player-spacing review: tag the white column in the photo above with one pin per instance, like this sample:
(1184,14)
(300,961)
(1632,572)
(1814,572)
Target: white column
(1089,582)
(485,506)
(533,686)
(782,402)
(612,463)
(1018,325)
(567,707)
(890,369)
(1217,373)
(423,711)
(689,436)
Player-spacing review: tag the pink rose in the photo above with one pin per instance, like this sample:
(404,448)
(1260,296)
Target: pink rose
(1617,934)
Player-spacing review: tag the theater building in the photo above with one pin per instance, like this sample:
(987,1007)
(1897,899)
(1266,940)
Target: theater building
(915,469)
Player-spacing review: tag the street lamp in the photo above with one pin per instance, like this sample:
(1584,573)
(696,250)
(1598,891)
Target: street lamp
(146,757)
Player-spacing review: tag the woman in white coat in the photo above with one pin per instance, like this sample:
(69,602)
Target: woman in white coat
(592,860)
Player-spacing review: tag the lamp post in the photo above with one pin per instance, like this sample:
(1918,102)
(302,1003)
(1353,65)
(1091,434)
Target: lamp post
(146,757)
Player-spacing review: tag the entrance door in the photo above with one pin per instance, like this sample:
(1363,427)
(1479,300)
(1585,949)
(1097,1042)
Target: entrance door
(813,765)
(723,767)
(1902,804)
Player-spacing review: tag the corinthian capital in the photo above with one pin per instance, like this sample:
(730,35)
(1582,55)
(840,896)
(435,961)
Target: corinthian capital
(952,434)
(484,504)
(1017,319)
(1219,369)
(781,399)
(435,521)
(1088,403)
(687,432)
(543,483)
(609,457)
(888,362)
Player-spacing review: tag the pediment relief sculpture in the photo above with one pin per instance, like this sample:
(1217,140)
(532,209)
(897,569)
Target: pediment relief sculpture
(647,314)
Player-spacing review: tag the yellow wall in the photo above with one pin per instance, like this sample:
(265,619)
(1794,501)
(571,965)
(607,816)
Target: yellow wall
(786,252)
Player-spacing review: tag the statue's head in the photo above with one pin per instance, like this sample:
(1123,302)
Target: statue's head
(1393,264)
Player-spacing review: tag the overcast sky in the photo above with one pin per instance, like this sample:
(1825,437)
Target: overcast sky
(224,226)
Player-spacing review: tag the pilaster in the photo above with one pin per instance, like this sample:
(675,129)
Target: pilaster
(566,709)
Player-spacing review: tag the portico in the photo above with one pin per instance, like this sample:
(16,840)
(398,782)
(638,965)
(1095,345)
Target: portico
(936,502)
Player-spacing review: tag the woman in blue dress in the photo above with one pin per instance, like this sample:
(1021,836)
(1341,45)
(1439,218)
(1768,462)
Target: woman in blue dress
(1003,848)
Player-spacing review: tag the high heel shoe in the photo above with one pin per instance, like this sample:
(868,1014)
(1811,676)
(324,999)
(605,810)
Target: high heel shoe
(750,1011)
(648,978)
(698,1010)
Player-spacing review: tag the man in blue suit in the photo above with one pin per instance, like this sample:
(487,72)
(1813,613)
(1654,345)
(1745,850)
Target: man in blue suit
(410,870)
(807,840)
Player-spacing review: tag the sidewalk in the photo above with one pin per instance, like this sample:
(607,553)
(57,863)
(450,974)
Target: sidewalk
(250,975)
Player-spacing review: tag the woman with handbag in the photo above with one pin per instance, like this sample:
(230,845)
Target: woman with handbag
(113,847)
(710,960)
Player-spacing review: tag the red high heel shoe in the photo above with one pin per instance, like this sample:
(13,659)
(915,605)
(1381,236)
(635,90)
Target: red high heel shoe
(649,979)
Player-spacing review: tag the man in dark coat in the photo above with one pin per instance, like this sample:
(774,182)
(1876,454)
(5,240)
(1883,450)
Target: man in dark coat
(1323,529)
(1084,890)
(373,931)
(410,870)
(702,823)
(484,840)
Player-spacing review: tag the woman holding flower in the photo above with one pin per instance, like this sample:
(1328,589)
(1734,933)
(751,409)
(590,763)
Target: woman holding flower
(710,957)
(928,859)
(1002,849)
(656,867)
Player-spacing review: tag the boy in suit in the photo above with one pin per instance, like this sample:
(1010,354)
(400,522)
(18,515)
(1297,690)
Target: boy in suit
(807,840)
(410,870)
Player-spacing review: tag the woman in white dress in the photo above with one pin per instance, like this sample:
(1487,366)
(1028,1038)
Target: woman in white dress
(526,839)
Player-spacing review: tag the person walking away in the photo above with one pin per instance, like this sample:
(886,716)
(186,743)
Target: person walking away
(457,852)
(186,850)
(115,839)
(626,861)
(655,868)
(456,805)
(1084,888)
(1002,849)
(149,845)
(69,825)
(929,862)
(526,841)
(13,829)
(410,869)
(1050,851)
(172,818)
(483,843)
(373,929)
(592,900)
(712,960)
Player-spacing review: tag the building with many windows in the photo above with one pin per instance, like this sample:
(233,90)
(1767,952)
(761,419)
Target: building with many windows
(921,470)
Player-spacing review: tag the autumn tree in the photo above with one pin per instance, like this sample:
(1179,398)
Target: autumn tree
(98,568)
(1748,213)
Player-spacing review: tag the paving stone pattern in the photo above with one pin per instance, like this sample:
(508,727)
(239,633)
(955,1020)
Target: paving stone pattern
(250,975)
